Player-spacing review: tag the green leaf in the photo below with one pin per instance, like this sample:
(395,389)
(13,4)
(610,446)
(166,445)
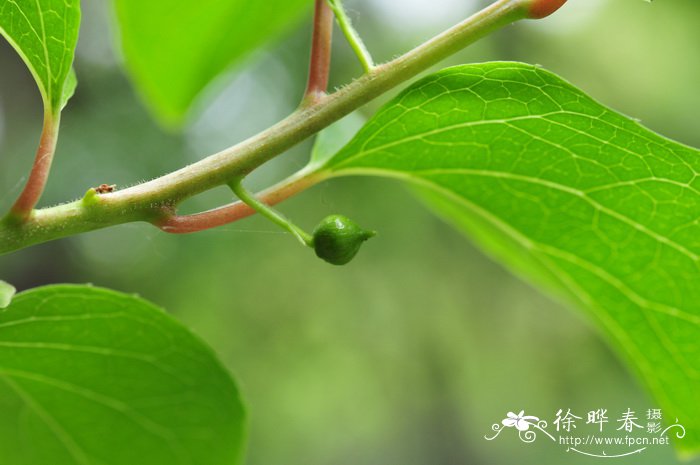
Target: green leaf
(7,291)
(92,377)
(333,138)
(45,33)
(569,193)
(69,87)
(174,48)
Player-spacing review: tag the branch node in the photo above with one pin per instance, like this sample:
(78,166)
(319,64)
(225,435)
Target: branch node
(90,198)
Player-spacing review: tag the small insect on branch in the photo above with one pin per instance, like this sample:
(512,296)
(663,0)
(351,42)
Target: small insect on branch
(105,188)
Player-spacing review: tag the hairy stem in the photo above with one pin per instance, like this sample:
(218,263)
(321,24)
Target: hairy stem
(352,36)
(319,67)
(155,201)
(39,175)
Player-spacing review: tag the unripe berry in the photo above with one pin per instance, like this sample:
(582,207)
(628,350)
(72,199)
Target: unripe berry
(337,239)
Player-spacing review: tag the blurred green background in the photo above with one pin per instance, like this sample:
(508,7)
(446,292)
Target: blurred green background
(410,353)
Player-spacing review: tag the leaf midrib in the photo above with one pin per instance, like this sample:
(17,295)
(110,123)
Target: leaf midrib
(581,194)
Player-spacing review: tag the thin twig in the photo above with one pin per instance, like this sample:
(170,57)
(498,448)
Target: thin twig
(319,67)
(185,224)
(270,213)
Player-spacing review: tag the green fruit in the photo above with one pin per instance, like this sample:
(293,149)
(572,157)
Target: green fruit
(337,239)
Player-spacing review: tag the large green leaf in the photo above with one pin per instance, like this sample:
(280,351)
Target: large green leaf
(45,33)
(94,377)
(334,138)
(567,192)
(174,48)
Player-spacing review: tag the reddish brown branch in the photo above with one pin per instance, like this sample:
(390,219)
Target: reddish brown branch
(39,174)
(235,211)
(319,68)
(220,216)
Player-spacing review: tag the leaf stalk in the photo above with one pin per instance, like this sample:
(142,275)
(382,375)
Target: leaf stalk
(351,35)
(39,174)
(270,213)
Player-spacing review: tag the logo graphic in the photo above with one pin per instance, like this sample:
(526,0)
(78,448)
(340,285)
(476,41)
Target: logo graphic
(628,437)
